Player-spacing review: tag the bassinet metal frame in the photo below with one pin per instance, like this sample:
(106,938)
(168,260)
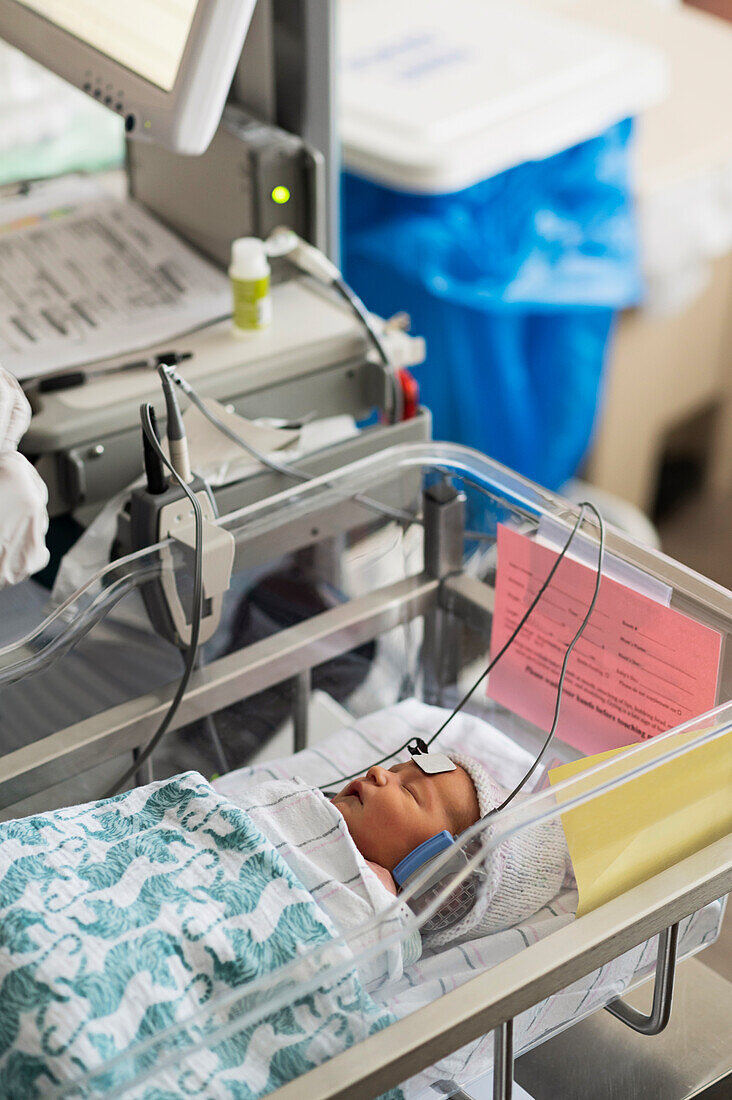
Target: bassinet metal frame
(446,596)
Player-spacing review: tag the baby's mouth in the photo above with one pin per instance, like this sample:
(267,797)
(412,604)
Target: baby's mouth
(353,790)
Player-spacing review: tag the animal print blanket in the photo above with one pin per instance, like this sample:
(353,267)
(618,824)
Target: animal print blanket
(157,944)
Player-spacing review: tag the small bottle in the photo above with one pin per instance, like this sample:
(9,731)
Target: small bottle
(250,274)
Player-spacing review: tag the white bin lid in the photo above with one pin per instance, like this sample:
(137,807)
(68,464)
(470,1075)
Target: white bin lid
(436,95)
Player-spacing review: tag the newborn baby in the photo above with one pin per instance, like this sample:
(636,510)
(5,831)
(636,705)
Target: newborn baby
(389,812)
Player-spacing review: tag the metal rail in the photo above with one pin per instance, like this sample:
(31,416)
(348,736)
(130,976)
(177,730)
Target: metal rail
(470,599)
(499,994)
(651,1024)
(663,990)
(288,654)
(285,655)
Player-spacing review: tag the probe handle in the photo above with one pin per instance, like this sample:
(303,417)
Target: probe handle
(157,482)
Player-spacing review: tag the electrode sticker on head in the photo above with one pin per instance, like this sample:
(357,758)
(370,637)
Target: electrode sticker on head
(432,763)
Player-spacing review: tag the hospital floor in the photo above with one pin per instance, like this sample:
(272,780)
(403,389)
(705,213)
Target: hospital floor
(693,1056)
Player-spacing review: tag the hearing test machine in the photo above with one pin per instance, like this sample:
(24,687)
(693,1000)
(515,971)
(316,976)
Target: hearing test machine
(228,109)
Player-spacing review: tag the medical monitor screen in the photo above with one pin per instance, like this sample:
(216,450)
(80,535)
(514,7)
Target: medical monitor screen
(146,36)
(165,66)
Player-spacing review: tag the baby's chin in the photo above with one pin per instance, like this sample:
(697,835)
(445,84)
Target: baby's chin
(345,809)
(343,805)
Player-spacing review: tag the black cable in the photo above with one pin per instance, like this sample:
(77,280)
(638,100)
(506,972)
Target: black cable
(570,647)
(491,665)
(362,313)
(197,609)
(359,308)
(306,257)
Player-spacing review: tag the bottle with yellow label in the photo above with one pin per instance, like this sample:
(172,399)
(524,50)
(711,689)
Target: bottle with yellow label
(250,283)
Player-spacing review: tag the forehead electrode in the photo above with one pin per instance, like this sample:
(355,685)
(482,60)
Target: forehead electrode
(431,763)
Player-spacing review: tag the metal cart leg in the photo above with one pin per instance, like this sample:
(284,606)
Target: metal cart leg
(503,1061)
(451,1090)
(663,990)
(502,1068)
(324,560)
(212,733)
(301,709)
(444,524)
(209,726)
(144,773)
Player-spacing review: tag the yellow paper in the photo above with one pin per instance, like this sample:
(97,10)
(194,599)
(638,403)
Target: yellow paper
(638,829)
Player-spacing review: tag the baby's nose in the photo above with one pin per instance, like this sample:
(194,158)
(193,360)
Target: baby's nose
(378,775)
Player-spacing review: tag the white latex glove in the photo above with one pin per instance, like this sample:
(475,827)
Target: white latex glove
(15,412)
(23,494)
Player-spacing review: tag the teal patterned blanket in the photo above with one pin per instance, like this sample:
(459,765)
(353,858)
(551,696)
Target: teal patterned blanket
(126,929)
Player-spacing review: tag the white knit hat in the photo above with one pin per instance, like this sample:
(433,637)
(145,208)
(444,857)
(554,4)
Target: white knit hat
(524,872)
(488,792)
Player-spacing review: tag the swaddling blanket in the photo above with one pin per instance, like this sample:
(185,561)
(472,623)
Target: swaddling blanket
(121,918)
(311,835)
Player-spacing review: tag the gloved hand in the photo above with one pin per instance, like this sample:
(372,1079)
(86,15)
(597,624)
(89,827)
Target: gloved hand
(23,495)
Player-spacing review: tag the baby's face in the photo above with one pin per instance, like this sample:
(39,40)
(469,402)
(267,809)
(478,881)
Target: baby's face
(389,812)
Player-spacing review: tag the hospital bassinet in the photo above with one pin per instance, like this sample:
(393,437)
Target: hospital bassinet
(359,613)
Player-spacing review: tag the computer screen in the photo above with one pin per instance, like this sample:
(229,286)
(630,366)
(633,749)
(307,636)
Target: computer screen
(146,36)
(164,65)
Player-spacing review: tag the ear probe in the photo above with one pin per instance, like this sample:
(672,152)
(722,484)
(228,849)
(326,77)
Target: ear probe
(177,440)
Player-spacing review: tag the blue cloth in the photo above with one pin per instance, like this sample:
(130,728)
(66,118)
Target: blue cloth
(514,282)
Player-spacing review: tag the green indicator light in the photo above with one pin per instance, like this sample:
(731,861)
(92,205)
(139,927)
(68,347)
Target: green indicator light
(148,124)
(280,195)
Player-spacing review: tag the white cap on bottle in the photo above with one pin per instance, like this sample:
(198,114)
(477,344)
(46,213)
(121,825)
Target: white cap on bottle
(248,259)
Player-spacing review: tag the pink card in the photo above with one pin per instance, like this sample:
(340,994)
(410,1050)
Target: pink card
(638,669)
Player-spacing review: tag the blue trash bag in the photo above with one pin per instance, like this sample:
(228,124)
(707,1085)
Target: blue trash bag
(514,283)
